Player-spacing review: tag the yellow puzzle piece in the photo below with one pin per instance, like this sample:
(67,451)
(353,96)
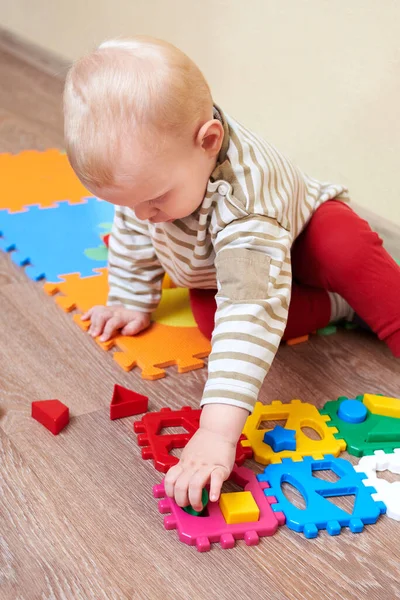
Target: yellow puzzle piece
(382,405)
(298,415)
(239,507)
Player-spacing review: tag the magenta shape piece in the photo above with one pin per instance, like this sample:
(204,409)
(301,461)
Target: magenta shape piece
(202,531)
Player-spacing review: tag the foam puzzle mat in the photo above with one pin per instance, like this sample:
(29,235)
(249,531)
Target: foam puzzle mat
(41,178)
(54,228)
(172,339)
(56,240)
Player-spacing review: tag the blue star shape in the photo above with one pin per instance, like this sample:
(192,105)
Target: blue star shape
(280,438)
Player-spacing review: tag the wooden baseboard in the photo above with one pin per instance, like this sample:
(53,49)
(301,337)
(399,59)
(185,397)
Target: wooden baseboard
(32,54)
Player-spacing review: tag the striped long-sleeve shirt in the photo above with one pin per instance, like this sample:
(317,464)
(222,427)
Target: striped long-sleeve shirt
(238,241)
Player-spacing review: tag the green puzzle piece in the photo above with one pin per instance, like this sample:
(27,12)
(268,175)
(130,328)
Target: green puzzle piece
(375,433)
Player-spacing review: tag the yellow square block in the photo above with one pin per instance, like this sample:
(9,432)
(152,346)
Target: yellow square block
(382,405)
(239,507)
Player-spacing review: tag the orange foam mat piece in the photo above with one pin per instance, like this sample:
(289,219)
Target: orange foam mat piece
(38,178)
(158,347)
(298,340)
(78,292)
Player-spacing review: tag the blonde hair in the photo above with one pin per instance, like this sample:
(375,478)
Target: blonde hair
(129,87)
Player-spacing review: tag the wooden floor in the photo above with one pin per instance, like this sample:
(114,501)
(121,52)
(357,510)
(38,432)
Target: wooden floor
(77,517)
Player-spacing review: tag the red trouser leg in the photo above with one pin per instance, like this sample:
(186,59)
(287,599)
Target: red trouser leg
(203,307)
(339,252)
(309,310)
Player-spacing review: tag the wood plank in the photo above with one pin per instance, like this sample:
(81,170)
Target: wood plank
(43,555)
(101,488)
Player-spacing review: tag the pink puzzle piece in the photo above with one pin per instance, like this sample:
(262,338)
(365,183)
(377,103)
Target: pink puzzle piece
(202,531)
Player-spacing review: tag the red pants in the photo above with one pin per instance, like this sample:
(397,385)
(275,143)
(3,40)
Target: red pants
(336,252)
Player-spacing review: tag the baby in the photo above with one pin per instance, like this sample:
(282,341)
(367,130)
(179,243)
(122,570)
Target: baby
(204,199)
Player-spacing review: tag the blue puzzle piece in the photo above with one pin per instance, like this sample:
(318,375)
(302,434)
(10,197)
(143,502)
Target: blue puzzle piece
(53,241)
(280,438)
(320,513)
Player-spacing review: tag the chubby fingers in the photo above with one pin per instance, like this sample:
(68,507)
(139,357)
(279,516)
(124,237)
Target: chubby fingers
(186,485)
(177,482)
(170,479)
(197,482)
(134,326)
(110,326)
(98,321)
(218,476)
(181,488)
(87,315)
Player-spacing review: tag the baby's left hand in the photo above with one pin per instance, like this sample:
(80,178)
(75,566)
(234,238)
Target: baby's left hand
(207,457)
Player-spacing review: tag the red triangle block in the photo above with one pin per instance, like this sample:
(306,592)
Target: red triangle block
(53,414)
(126,403)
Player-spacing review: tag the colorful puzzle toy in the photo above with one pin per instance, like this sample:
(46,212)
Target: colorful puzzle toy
(375,432)
(319,513)
(201,531)
(157,446)
(299,415)
(386,491)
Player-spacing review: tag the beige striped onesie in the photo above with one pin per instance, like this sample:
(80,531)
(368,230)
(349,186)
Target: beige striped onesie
(239,240)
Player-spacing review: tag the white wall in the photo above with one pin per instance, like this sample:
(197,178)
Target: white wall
(318,78)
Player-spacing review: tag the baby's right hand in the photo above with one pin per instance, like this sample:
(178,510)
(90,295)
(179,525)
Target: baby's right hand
(106,320)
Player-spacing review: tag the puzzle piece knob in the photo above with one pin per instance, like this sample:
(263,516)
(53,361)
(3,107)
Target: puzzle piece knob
(352,411)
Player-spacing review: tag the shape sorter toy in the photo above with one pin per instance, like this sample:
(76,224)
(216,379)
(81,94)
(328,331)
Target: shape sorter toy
(319,512)
(299,415)
(373,429)
(201,531)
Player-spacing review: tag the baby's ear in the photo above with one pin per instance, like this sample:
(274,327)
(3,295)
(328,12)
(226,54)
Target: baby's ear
(211,136)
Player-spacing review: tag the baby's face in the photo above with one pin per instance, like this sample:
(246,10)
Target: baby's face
(163,186)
